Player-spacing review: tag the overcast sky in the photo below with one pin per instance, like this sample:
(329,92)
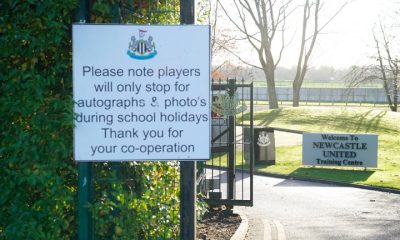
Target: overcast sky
(346,41)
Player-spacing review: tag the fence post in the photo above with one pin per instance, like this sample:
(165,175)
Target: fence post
(231,142)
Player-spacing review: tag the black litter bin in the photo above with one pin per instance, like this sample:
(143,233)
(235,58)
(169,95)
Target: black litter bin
(264,145)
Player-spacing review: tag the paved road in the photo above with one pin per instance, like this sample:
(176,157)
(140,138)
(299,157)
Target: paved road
(298,210)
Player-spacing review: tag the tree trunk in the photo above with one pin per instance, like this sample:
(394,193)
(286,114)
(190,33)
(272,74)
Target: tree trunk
(298,82)
(388,97)
(296,93)
(272,97)
(395,97)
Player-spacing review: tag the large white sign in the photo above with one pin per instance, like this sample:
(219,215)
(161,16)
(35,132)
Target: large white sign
(141,92)
(342,150)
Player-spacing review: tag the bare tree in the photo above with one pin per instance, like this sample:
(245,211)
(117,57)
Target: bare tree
(269,17)
(311,12)
(386,70)
(208,12)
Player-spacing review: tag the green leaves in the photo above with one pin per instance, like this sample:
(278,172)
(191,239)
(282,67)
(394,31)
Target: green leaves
(142,201)
(37,175)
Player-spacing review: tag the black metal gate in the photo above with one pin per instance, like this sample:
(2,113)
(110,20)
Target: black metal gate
(228,175)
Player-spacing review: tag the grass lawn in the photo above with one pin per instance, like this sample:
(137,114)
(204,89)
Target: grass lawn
(337,120)
(317,104)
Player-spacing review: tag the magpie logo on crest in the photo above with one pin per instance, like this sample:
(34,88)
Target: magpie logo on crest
(142,49)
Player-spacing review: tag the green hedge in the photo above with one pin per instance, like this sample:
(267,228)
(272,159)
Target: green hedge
(38,175)
(37,172)
(142,204)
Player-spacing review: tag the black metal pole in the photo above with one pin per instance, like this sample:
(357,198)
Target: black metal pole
(84,168)
(187,200)
(187,12)
(232,145)
(252,143)
(187,168)
(83,14)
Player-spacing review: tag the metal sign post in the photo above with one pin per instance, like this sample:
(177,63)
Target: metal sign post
(84,168)
(187,200)
(187,168)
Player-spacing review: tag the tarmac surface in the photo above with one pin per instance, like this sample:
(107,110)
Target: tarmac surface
(290,209)
(300,210)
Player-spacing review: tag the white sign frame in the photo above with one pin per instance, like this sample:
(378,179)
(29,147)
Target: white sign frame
(340,150)
(141,92)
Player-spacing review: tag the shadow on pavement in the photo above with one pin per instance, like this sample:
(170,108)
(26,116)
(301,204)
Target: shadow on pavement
(336,175)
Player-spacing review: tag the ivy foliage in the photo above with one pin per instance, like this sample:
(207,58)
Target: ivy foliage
(38,176)
(37,172)
(136,11)
(142,203)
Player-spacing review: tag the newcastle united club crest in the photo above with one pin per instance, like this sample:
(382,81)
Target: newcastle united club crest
(141,48)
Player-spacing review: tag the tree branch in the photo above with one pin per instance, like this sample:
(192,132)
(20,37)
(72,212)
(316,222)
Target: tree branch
(241,59)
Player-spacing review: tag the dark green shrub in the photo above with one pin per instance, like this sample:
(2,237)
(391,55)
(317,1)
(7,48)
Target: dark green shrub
(38,175)
(37,172)
(142,204)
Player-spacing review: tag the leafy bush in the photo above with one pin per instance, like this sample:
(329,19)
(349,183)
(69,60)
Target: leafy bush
(142,203)
(38,175)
